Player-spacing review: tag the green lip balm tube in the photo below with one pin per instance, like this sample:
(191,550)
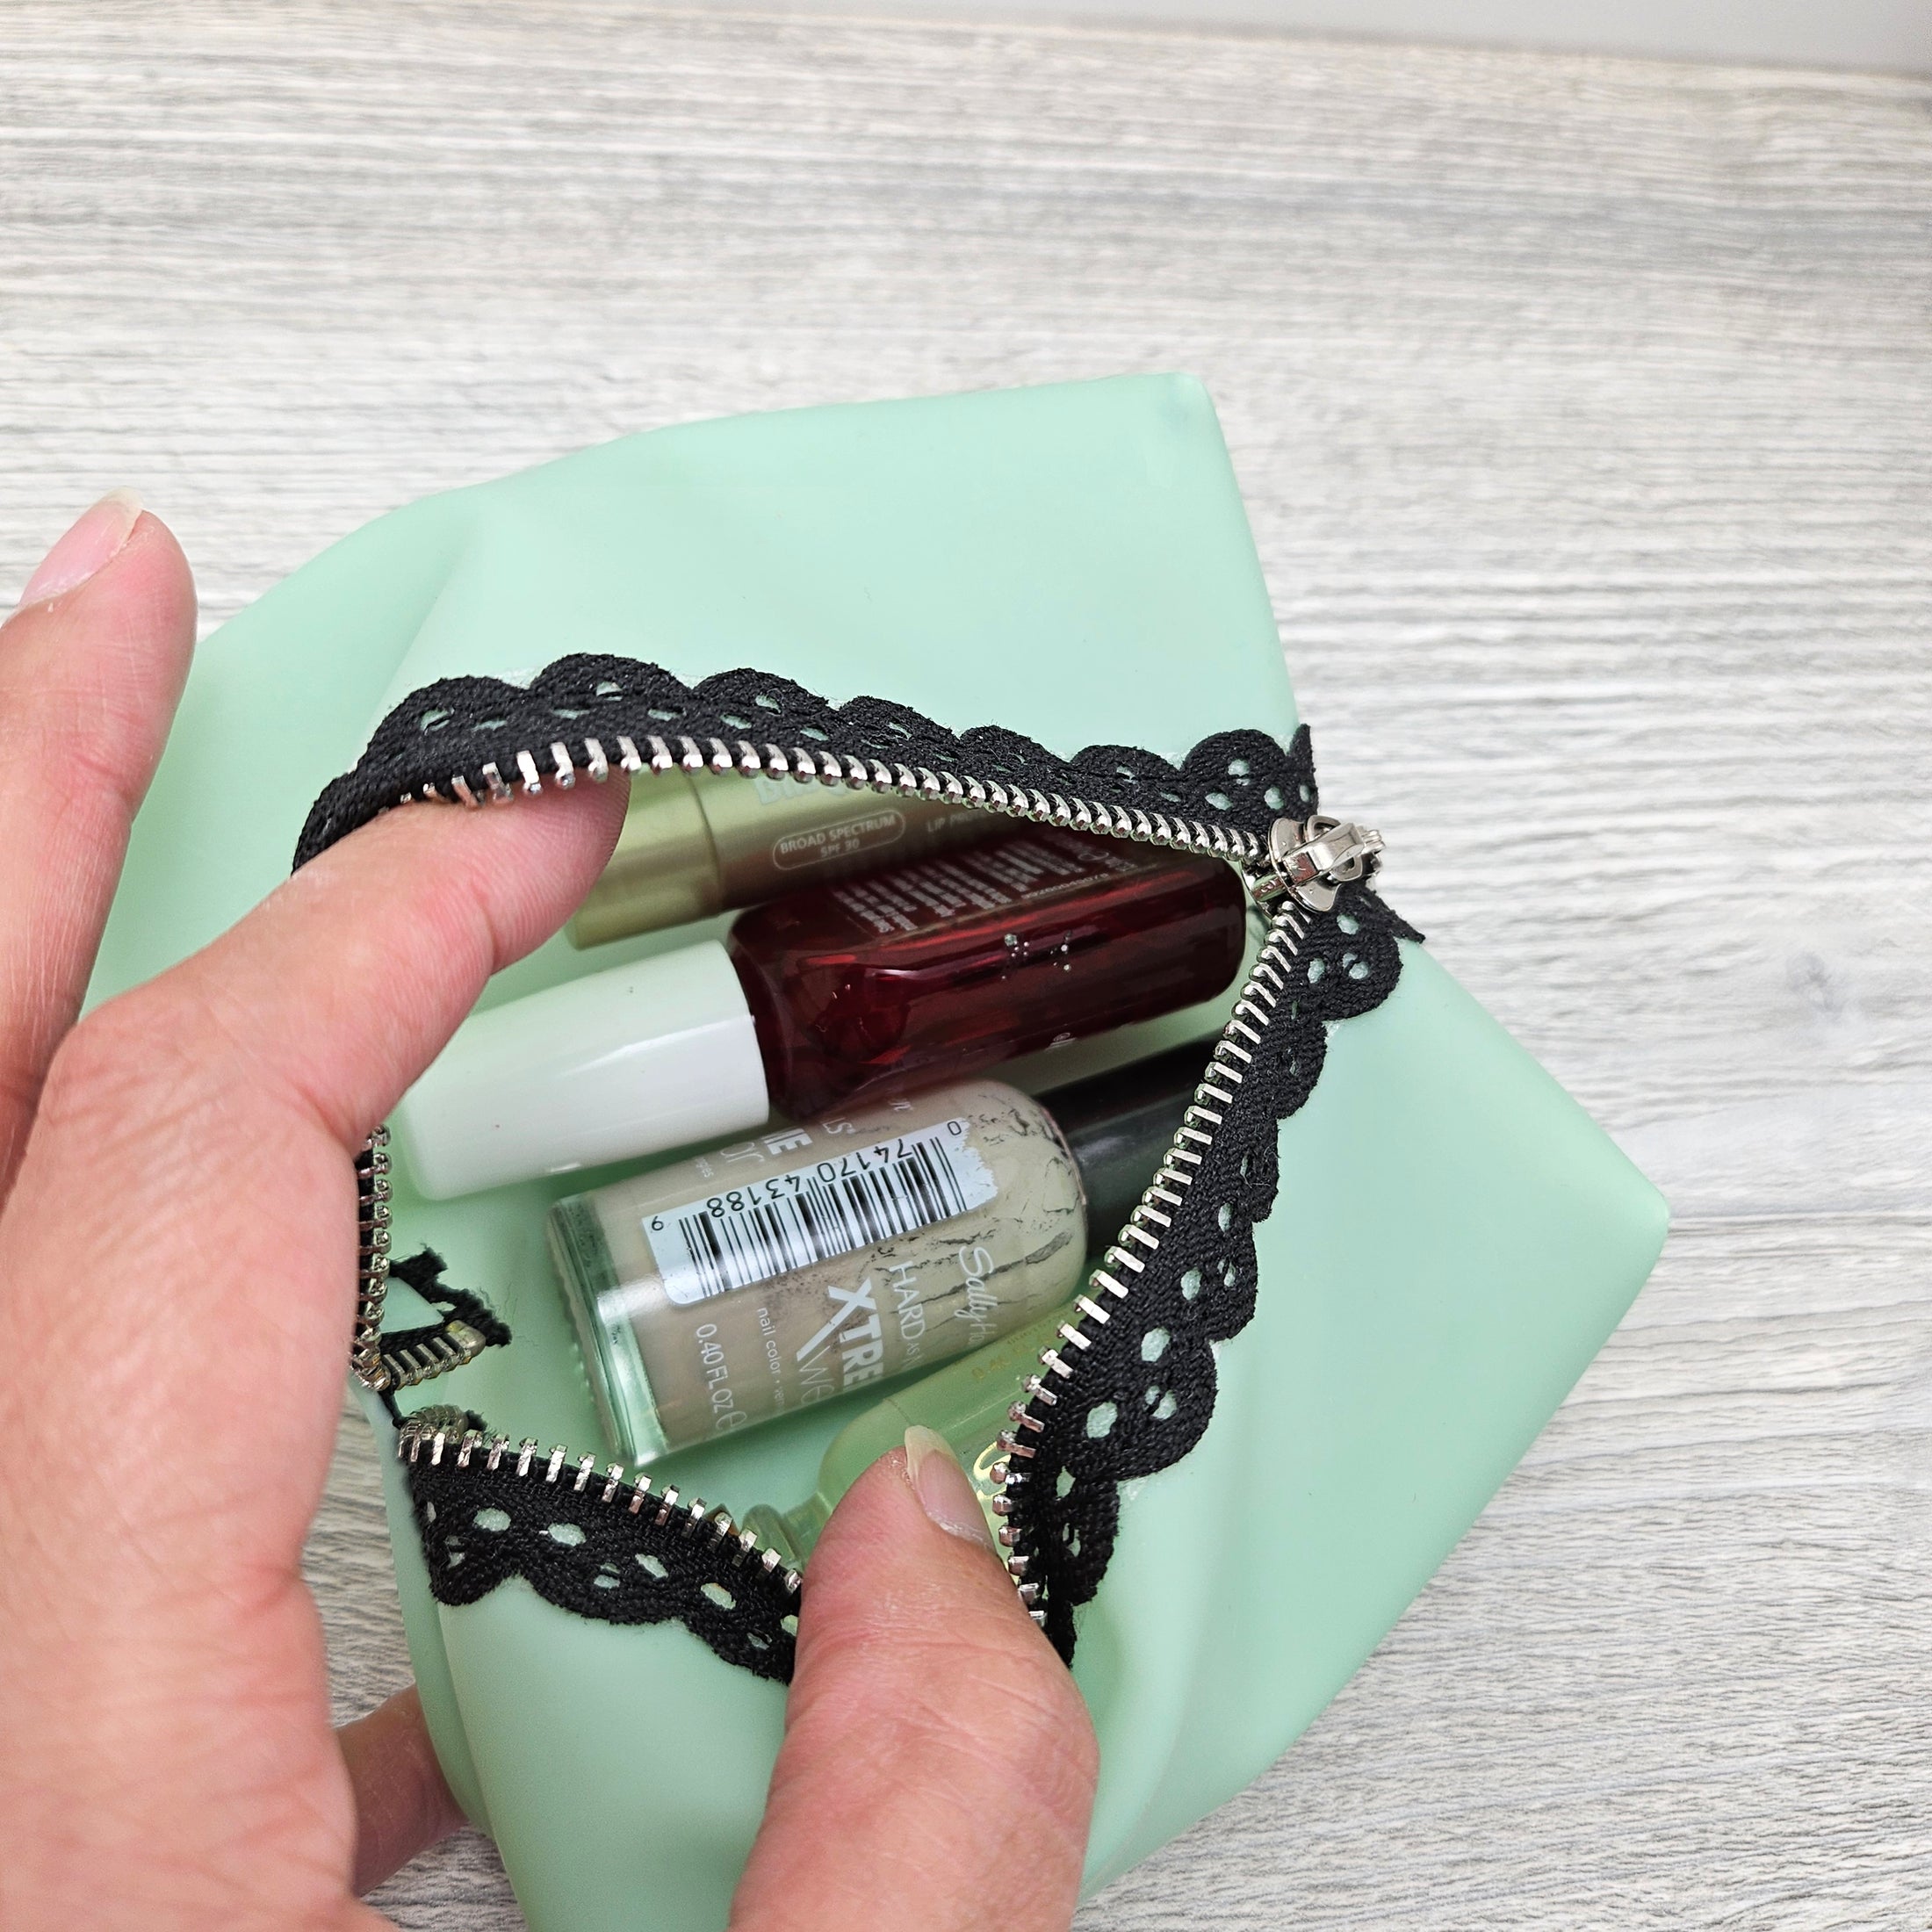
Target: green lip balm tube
(966,1401)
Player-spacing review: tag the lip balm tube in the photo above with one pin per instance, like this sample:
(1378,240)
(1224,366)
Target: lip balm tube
(966,1401)
(746,1284)
(697,843)
(835,997)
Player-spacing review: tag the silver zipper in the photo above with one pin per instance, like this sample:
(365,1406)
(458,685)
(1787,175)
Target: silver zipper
(560,764)
(1304,866)
(1138,1246)
(1299,867)
(398,1367)
(371,1263)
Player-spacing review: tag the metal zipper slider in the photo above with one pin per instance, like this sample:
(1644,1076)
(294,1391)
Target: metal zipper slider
(1313,858)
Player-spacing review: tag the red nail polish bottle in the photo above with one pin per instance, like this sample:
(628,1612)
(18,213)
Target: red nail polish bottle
(940,969)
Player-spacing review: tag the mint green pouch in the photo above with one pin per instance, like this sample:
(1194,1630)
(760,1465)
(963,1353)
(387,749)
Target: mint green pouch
(1450,1242)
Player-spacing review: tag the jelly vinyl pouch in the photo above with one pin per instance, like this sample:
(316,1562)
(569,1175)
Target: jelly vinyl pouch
(1380,1247)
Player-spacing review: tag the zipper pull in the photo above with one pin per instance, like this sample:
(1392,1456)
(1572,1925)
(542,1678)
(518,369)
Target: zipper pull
(1312,859)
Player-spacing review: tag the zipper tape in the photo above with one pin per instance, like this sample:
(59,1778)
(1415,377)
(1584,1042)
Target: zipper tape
(591,1540)
(478,740)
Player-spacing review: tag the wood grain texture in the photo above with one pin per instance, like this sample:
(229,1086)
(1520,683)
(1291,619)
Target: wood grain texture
(1583,409)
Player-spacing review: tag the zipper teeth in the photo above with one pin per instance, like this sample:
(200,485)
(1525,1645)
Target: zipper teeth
(425,1361)
(561,762)
(1138,1243)
(429,1428)
(365,1356)
(559,765)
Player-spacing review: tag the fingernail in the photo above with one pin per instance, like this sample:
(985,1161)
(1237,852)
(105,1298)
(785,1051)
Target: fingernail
(94,541)
(942,1485)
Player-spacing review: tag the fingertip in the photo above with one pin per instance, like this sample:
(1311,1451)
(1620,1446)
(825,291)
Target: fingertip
(523,868)
(95,668)
(119,551)
(945,1491)
(913,1521)
(86,547)
(351,977)
(889,1582)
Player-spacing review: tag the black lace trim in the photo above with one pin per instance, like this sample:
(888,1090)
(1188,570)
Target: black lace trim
(1145,1389)
(469,729)
(1142,1394)
(487,1510)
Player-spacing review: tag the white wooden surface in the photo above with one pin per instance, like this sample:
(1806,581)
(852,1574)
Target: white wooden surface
(1583,409)
(1891,36)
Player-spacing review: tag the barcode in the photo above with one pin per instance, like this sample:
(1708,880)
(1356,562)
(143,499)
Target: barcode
(769,1226)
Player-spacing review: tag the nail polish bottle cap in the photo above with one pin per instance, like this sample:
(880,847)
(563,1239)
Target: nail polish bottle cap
(634,1060)
(1117,1125)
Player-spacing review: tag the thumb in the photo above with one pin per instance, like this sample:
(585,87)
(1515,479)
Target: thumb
(938,1765)
(91,666)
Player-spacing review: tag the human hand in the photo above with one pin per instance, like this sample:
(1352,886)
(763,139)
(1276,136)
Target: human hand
(177,1280)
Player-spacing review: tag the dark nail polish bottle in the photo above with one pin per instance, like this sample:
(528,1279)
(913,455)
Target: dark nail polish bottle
(957,964)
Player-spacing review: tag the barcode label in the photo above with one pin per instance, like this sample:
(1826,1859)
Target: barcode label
(768,1227)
